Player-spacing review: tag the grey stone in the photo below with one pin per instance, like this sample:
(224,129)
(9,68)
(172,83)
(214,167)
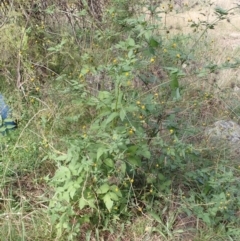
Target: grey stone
(225,134)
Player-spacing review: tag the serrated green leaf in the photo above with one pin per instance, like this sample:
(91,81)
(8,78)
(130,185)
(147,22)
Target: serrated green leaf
(115,190)
(132,149)
(134,161)
(222,196)
(146,154)
(109,162)
(100,151)
(174,81)
(91,203)
(86,202)
(147,34)
(130,54)
(108,202)
(123,167)
(111,117)
(165,185)
(82,203)
(122,114)
(205,218)
(103,95)
(153,43)
(62,174)
(62,157)
(103,189)
(72,190)
(131,42)
(131,108)
(113,196)
(65,196)
(161,177)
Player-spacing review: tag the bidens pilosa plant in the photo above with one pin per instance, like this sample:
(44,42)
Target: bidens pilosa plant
(115,165)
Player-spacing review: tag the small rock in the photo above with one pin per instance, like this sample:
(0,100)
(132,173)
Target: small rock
(225,134)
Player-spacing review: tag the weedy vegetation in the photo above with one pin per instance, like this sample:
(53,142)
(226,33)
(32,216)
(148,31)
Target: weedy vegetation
(112,102)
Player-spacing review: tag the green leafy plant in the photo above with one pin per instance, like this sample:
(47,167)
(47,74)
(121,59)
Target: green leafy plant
(113,167)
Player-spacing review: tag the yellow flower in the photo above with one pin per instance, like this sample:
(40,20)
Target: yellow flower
(178,55)
(174,45)
(131,180)
(37,88)
(130,132)
(171,131)
(152,60)
(138,102)
(164,50)
(143,107)
(128,82)
(127,74)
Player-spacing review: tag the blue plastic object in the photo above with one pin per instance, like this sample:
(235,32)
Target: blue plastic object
(4,109)
(6,123)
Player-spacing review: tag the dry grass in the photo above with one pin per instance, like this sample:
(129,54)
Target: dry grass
(219,45)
